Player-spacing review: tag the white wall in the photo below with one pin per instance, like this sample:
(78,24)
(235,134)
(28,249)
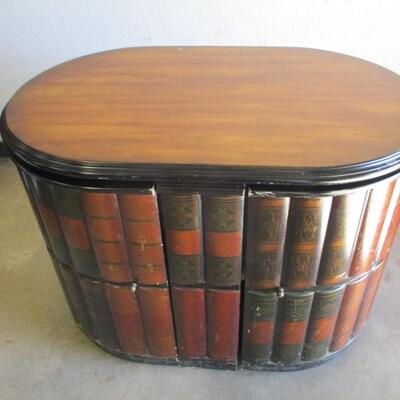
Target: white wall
(37,34)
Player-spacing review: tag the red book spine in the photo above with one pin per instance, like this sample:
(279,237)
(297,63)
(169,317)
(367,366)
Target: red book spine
(349,308)
(371,228)
(143,235)
(157,320)
(369,297)
(190,322)
(127,318)
(223,324)
(106,231)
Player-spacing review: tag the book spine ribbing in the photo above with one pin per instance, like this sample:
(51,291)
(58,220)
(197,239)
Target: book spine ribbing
(267,218)
(322,323)
(189,306)
(140,216)
(258,325)
(183,228)
(157,321)
(107,235)
(307,222)
(127,318)
(344,222)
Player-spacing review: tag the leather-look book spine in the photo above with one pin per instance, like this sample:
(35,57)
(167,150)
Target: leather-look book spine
(266,229)
(307,222)
(189,306)
(223,324)
(322,323)
(258,325)
(127,318)
(348,312)
(100,313)
(292,322)
(157,321)
(107,235)
(139,212)
(73,224)
(184,242)
(223,234)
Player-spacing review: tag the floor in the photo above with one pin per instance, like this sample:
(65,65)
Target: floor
(43,355)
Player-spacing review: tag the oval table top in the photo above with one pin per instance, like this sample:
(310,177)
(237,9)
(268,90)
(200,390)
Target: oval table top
(221,113)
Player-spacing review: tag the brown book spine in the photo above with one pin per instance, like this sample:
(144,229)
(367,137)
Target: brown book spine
(349,309)
(106,231)
(258,325)
(190,322)
(183,227)
(369,297)
(45,204)
(157,321)
(139,212)
(343,226)
(371,228)
(223,217)
(322,323)
(307,222)
(293,317)
(267,218)
(100,313)
(127,318)
(223,324)
(72,220)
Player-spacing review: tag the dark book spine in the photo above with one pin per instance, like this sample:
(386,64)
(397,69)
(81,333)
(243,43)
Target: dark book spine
(183,228)
(46,207)
(352,298)
(258,325)
(100,313)
(106,231)
(190,322)
(343,226)
(140,217)
(390,225)
(74,296)
(127,318)
(157,321)
(371,228)
(72,220)
(293,316)
(267,218)
(223,217)
(223,324)
(307,222)
(322,323)
(369,297)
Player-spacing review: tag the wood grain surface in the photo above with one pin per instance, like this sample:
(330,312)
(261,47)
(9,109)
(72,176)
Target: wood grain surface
(227,106)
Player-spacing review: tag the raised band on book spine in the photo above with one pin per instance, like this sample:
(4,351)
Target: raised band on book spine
(100,313)
(223,217)
(183,228)
(267,218)
(127,318)
(307,222)
(344,222)
(293,316)
(72,220)
(258,325)
(371,228)
(157,321)
(190,322)
(322,323)
(223,324)
(106,231)
(348,313)
(139,212)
